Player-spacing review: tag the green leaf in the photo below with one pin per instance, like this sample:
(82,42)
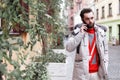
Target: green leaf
(3,68)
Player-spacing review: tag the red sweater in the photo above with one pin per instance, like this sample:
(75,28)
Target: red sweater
(94,59)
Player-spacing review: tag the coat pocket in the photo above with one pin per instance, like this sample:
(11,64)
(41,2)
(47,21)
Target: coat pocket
(78,73)
(100,72)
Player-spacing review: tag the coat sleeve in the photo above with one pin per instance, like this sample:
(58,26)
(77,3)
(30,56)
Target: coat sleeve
(105,44)
(74,41)
(106,58)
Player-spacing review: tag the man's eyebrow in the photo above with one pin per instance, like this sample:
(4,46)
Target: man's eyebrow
(89,17)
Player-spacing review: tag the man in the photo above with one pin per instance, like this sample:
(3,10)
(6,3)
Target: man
(92,59)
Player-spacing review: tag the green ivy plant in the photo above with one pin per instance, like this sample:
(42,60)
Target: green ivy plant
(13,13)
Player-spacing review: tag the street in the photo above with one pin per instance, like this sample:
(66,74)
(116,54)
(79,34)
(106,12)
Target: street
(114,63)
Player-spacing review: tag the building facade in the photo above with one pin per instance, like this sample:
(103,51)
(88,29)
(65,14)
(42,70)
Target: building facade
(78,6)
(108,13)
(74,11)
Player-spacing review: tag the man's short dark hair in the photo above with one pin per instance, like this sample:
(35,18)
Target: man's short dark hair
(85,10)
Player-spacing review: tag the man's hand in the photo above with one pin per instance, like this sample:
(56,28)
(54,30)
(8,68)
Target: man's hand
(83,28)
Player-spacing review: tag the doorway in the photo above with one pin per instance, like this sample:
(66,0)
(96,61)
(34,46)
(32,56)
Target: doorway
(119,33)
(110,33)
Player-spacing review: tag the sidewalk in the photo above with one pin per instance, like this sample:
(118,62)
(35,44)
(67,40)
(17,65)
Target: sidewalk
(114,62)
(62,71)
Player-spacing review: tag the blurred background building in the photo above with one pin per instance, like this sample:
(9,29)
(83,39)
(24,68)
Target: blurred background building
(72,10)
(107,12)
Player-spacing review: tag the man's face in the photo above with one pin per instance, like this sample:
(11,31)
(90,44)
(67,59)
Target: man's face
(89,19)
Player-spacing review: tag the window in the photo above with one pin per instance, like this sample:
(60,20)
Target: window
(97,14)
(110,33)
(17,27)
(110,10)
(103,12)
(119,32)
(79,5)
(96,0)
(72,20)
(119,7)
(78,2)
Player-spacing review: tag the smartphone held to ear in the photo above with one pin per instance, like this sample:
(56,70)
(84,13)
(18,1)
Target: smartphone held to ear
(85,27)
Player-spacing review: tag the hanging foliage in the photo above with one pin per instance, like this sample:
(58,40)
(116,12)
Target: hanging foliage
(15,15)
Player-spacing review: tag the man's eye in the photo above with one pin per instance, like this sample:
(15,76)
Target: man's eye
(92,17)
(87,18)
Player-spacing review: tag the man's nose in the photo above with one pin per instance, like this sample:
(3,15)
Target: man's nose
(90,20)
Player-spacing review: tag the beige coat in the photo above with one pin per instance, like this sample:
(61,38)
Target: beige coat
(81,67)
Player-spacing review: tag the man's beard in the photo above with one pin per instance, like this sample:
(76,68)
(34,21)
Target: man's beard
(89,25)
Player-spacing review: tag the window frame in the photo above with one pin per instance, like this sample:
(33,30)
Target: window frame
(17,30)
(110,10)
(103,12)
(97,14)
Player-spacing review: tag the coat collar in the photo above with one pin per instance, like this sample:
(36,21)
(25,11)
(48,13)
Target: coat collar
(99,30)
